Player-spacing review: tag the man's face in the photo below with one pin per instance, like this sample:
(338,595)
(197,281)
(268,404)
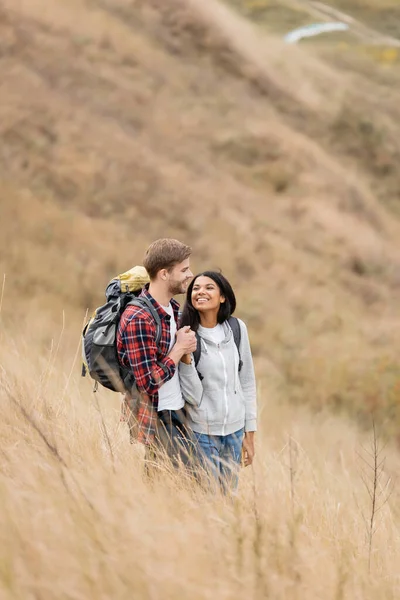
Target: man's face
(179,278)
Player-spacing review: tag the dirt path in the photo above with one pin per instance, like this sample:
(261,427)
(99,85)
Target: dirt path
(328,13)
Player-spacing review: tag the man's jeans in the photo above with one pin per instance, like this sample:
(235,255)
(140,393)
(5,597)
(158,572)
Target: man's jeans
(174,442)
(221,455)
(174,437)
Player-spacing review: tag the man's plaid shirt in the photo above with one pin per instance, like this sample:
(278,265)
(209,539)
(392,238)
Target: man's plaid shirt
(150,365)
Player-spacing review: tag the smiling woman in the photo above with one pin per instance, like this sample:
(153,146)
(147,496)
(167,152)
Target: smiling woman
(213,299)
(218,383)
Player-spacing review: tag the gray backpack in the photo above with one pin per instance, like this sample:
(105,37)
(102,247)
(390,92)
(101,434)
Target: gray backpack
(99,337)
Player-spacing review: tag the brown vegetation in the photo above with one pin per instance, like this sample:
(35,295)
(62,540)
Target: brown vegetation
(126,120)
(79,520)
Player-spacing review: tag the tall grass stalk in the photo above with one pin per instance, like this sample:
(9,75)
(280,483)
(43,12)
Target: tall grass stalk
(260,572)
(293,455)
(3,287)
(53,353)
(77,352)
(379,487)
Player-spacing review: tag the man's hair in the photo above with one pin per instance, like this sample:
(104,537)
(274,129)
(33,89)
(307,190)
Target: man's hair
(164,254)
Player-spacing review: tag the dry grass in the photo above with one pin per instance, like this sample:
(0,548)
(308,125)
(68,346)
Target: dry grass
(79,521)
(127,120)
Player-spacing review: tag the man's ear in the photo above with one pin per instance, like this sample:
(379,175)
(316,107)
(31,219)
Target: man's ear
(163,274)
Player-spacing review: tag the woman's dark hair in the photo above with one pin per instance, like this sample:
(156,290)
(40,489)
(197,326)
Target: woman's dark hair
(190,315)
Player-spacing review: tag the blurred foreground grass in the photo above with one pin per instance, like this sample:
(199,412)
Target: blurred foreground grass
(79,520)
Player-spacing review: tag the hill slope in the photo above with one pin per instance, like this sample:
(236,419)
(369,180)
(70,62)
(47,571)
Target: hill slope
(123,121)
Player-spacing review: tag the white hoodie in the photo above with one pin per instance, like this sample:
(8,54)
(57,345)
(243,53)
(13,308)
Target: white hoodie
(224,400)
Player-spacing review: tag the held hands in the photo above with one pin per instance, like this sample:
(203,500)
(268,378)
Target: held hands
(187,359)
(186,340)
(185,344)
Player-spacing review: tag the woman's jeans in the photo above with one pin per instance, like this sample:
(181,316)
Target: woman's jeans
(221,456)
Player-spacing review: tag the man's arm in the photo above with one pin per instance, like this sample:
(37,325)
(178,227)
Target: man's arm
(139,338)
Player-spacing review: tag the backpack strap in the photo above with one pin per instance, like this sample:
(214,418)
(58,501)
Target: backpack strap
(197,352)
(143,302)
(237,335)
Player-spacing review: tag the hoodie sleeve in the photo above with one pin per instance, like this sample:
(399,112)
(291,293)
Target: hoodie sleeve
(248,380)
(191,386)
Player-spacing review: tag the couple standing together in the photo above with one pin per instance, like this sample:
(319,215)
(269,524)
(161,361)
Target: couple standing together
(196,384)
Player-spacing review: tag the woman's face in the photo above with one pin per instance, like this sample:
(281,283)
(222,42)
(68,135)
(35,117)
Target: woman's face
(206,295)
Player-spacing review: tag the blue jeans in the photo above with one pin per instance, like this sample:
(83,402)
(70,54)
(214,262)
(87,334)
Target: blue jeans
(221,455)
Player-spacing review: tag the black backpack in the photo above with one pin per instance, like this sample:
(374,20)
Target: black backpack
(235,326)
(99,337)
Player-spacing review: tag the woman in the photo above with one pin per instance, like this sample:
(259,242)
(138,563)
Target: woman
(218,382)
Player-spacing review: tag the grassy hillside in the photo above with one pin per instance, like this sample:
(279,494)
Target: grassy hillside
(125,121)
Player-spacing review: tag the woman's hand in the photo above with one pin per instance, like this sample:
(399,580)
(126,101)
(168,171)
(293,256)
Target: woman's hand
(248,448)
(187,359)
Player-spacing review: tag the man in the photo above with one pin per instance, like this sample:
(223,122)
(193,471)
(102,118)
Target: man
(159,414)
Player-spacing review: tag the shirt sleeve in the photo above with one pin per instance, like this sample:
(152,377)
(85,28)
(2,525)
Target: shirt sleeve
(139,338)
(191,386)
(248,381)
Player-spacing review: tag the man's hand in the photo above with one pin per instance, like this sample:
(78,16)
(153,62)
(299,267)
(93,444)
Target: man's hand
(186,343)
(248,448)
(186,340)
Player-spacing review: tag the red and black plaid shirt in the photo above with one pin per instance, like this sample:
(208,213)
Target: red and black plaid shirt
(151,367)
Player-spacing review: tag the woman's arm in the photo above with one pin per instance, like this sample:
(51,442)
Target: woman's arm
(191,386)
(248,380)
(248,385)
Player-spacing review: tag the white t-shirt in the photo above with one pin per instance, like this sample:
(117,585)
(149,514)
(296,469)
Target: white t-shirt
(170,395)
(216,334)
